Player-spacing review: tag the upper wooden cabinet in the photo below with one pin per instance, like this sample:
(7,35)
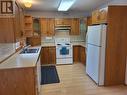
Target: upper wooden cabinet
(12,28)
(103,15)
(89,21)
(95,17)
(47,26)
(7,30)
(19,22)
(62,22)
(75,26)
(99,16)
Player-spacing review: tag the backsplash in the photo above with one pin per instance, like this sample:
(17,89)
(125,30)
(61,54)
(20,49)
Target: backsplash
(80,38)
(47,40)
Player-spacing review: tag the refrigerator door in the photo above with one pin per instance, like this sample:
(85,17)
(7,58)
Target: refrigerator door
(94,35)
(92,62)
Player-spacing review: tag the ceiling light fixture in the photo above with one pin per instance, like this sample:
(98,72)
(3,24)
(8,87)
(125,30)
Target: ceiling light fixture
(28,4)
(65,5)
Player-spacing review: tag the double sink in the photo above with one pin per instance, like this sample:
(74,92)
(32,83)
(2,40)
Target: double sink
(29,51)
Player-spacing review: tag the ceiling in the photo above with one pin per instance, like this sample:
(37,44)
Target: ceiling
(52,5)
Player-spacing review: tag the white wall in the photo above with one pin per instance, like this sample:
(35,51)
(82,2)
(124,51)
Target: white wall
(72,14)
(114,2)
(58,14)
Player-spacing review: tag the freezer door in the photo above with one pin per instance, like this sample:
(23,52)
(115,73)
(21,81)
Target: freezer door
(94,35)
(92,62)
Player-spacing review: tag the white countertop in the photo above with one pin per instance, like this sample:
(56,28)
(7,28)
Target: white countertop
(6,50)
(21,60)
(81,43)
(26,60)
(47,44)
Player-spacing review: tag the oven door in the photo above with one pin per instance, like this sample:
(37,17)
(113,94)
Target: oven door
(64,52)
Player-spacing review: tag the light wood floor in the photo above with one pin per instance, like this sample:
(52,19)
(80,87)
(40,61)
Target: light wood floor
(74,81)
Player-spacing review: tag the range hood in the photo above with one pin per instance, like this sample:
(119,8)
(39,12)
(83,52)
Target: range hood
(63,28)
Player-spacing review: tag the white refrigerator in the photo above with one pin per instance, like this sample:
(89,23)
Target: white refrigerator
(96,44)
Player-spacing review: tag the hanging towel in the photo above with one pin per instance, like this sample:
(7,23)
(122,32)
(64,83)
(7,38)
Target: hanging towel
(64,51)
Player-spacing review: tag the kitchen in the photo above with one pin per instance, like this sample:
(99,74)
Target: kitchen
(46,50)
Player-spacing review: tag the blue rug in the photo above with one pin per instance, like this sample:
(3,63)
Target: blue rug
(49,75)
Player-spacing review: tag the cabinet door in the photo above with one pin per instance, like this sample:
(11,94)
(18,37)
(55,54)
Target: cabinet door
(44,26)
(82,55)
(21,21)
(66,22)
(95,17)
(89,21)
(62,21)
(51,24)
(75,27)
(7,30)
(52,55)
(76,56)
(103,15)
(17,22)
(45,55)
(48,55)
(58,22)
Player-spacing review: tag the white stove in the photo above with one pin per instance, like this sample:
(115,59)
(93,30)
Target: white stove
(64,51)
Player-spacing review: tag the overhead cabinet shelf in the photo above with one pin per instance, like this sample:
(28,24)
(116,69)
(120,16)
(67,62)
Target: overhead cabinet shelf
(28,26)
(100,16)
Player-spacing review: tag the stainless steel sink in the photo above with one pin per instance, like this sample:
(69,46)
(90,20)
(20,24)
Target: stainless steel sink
(27,51)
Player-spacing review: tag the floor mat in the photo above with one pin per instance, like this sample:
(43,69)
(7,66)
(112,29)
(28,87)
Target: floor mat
(49,75)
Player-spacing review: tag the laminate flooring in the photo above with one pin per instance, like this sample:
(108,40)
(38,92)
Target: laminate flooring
(74,81)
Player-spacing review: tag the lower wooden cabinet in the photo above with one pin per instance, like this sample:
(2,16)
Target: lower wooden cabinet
(76,52)
(34,41)
(20,81)
(48,55)
(82,55)
(79,54)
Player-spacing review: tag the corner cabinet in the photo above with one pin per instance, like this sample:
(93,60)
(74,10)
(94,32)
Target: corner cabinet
(75,26)
(47,26)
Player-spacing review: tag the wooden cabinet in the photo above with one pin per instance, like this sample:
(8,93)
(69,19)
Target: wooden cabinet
(47,26)
(7,30)
(19,22)
(116,46)
(62,22)
(76,53)
(20,81)
(82,55)
(89,21)
(95,17)
(11,28)
(75,26)
(28,26)
(48,55)
(99,16)
(79,54)
(33,41)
